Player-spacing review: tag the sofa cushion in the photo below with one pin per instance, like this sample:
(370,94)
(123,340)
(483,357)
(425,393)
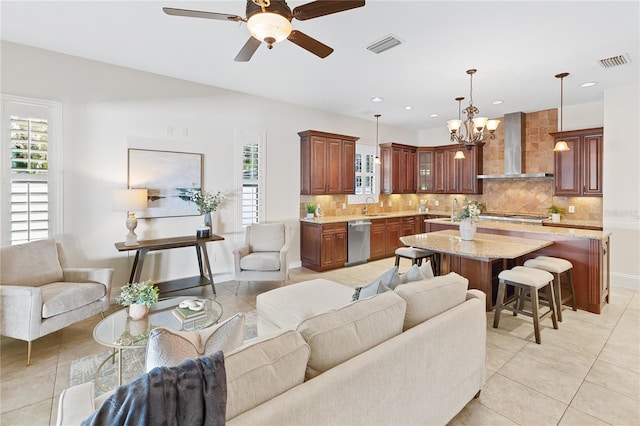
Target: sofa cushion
(267,237)
(61,297)
(428,298)
(390,278)
(261,261)
(287,306)
(31,264)
(339,335)
(369,290)
(263,370)
(167,348)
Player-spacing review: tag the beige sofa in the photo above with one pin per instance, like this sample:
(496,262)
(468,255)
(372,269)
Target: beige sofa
(415,355)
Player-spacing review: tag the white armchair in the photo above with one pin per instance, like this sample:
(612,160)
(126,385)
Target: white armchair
(265,254)
(38,296)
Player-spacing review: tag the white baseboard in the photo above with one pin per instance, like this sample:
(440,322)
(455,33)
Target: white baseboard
(625,280)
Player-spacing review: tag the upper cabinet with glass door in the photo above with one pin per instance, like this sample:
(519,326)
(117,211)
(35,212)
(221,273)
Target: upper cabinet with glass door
(425,170)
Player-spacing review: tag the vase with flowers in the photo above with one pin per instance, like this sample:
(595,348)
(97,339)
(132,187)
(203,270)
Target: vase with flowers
(207,203)
(468,217)
(138,297)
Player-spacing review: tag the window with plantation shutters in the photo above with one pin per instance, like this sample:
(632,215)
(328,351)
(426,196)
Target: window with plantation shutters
(26,157)
(252,177)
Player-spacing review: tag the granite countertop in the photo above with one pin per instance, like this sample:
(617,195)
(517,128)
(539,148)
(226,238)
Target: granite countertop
(533,228)
(484,246)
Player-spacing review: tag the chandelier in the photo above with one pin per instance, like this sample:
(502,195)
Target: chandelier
(473,132)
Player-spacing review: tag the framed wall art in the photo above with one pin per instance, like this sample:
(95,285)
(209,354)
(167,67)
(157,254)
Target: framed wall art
(170,178)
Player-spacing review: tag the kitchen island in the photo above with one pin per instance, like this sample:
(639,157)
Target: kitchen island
(480,260)
(587,250)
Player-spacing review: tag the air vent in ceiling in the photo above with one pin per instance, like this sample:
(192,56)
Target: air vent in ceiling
(385,44)
(615,61)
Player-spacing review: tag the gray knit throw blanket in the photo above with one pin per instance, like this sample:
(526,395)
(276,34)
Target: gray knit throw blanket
(192,393)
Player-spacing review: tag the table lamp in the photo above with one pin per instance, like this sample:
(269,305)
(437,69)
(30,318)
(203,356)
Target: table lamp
(130,200)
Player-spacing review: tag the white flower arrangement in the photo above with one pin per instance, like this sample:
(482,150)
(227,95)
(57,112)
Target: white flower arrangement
(471,211)
(142,293)
(206,201)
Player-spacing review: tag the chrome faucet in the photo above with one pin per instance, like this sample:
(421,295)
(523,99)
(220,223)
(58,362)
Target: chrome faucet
(454,201)
(365,209)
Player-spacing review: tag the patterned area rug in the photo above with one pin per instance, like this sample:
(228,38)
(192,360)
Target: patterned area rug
(84,369)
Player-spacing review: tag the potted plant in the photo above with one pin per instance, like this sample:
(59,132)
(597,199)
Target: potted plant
(555,213)
(468,216)
(311,210)
(207,203)
(138,297)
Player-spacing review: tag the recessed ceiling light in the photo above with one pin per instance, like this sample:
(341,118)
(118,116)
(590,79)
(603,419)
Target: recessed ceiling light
(589,84)
(434,115)
(408,107)
(376,99)
(497,102)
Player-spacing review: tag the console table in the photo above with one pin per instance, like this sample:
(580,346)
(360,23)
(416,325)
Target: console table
(145,246)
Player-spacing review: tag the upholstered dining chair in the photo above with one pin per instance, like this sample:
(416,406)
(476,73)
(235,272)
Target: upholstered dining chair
(39,295)
(264,255)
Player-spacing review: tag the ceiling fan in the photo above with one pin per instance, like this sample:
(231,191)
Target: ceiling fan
(269,21)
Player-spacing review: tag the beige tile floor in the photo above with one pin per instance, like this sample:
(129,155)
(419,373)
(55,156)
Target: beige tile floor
(585,373)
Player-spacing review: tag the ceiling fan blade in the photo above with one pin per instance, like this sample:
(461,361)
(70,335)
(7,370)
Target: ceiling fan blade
(201,14)
(310,44)
(319,8)
(248,50)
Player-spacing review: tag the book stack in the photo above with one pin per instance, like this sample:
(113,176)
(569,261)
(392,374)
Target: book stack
(185,314)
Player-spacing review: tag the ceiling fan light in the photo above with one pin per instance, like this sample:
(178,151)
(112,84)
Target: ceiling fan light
(269,27)
(561,146)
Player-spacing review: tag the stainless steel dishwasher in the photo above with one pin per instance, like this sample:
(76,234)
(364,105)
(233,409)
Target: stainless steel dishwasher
(358,242)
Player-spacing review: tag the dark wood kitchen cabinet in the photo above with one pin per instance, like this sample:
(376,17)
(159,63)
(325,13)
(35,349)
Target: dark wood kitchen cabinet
(398,168)
(384,235)
(323,246)
(579,170)
(451,176)
(327,163)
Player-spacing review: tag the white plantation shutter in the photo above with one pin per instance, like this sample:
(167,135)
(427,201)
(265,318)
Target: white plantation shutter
(250,169)
(26,156)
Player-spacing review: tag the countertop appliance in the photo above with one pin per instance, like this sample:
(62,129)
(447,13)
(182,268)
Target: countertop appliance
(358,243)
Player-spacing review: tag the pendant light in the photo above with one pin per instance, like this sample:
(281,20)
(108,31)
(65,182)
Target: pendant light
(377,159)
(561,145)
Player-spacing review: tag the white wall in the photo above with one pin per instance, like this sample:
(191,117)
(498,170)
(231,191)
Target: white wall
(108,109)
(621,203)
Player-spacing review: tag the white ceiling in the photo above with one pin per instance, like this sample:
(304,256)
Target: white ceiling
(516,46)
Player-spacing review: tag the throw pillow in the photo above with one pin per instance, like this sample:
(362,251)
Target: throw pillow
(413,274)
(369,290)
(167,348)
(427,270)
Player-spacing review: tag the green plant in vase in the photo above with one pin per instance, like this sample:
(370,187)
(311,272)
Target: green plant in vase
(311,210)
(555,212)
(138,297)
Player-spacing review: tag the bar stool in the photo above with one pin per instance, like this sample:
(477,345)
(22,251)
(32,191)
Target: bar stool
(526,280)
(557,267)
(417,255)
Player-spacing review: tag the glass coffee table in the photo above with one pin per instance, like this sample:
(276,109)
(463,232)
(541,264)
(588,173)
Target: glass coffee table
(118,331)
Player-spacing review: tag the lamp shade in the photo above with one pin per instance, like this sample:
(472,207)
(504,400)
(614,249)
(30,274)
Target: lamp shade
(561,146)
(129,199)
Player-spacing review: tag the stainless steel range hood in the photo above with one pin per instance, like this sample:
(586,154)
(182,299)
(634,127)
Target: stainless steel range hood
(514,137)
